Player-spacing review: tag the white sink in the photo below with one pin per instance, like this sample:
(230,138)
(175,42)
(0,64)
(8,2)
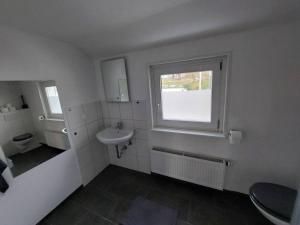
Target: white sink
(113,136)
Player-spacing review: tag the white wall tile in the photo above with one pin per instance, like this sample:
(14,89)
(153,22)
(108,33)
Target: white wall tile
(107,159)
(105,111)
(112,154)
(88,173)
(127,124)
(84,155)
(126,161)
(101,124)
(114,110)
(17,115)
(141,134)
(107,123)
(141,124)
(28,125)
(99,109)
(114,122)
(98,156)
(144,164)
(131,149)
(90,112)
(80,137)
(75,116)
(139,110)
(142,148)
(93,128)
(126,110)
(15,128)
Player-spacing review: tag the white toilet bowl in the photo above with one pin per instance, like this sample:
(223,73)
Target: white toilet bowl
(23,141)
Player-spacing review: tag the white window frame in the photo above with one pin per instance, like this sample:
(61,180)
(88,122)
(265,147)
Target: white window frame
(42,88)
(219,66)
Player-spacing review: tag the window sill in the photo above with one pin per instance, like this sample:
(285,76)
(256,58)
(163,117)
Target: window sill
(55,120)
(191,132)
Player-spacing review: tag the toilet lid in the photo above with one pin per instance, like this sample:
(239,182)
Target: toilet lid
(22,137)
(276,199)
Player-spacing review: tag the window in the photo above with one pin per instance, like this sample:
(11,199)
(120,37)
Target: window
(189,94)
(51,100)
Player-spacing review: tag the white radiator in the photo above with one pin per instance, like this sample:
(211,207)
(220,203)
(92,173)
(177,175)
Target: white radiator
(205,171)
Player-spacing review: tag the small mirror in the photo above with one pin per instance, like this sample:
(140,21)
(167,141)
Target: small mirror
(115,80)
(32,127)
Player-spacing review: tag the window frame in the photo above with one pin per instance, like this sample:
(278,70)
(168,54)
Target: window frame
(219,65)
(49,115)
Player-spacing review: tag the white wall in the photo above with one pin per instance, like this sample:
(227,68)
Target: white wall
(10,92)
(263,102)
(30,57)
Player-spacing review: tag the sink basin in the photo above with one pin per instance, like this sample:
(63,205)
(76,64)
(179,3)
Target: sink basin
(113,136)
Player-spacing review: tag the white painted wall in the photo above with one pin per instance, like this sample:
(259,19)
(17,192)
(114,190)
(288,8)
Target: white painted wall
(29,57)
(263,102)
(10,93)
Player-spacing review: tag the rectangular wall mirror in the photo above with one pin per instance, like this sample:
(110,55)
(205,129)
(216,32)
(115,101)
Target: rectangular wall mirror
(32,126)
(114,75)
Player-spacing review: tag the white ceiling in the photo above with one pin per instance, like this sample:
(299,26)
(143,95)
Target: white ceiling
(105,27)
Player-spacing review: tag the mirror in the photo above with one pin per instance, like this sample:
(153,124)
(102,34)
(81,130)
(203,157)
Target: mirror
(114,75)
(32,127)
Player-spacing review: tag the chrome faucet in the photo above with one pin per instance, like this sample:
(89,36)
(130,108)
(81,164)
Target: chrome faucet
(119,125)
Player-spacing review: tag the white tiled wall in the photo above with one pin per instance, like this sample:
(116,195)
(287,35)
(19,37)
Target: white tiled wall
(85,121)
(133,116)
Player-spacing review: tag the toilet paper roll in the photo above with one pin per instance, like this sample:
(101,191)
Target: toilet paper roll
(235,136)
(42,117)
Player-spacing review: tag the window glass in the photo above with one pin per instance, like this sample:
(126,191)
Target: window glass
(187,96)
(53,100)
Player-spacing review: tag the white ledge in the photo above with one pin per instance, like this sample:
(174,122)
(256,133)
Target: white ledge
(54,120)
(191,132)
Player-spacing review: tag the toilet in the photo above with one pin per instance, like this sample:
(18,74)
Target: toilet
(275,202)
(22,141)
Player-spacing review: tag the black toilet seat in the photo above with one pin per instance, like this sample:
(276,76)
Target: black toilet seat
(23,137)
(275,199)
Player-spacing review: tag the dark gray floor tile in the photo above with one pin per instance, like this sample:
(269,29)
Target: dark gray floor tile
(180,204)
(92,219)
(96,201)
(126,187)
(66,213)
(120,209)
(108,197)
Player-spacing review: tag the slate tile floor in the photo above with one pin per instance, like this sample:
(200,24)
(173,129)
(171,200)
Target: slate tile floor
(109,195)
